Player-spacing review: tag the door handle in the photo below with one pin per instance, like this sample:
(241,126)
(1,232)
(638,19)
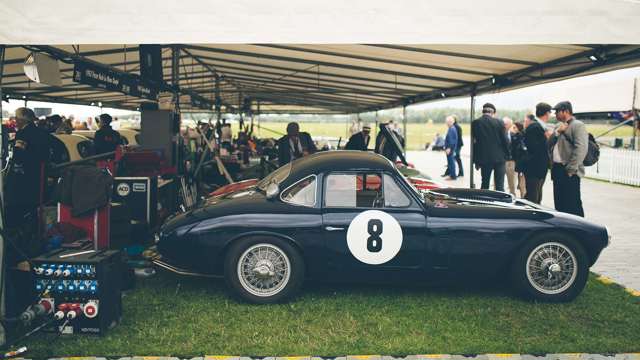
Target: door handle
(331,228)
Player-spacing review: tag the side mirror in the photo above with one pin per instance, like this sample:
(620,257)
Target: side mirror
(272,190)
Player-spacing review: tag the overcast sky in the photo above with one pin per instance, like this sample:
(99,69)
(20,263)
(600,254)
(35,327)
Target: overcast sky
(602,92)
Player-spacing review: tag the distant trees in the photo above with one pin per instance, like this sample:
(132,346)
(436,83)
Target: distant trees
(436,115)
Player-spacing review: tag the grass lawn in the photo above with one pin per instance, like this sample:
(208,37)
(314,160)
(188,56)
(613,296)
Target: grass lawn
(197,317)
(419,134)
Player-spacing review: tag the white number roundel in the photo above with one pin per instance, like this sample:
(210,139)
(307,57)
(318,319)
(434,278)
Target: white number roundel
(374,237)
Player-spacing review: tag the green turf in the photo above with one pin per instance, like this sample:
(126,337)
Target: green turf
(419,133)
(170,315)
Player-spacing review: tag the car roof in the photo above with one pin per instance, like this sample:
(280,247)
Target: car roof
(339,160)
(71,138)
(87,133)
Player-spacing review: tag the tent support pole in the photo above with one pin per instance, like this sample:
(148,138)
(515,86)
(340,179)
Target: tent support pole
(375,130)
(175,75)
(404,129)
(218,100)
(472,114)
(2,265)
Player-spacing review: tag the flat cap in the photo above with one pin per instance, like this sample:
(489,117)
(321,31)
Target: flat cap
(563,105)
(489,106)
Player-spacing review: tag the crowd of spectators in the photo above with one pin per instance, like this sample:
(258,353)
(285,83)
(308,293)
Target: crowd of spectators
(523,152)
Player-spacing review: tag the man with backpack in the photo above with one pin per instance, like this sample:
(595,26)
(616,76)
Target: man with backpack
(568,146)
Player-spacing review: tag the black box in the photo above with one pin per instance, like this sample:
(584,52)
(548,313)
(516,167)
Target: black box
(88,278)
(140,194)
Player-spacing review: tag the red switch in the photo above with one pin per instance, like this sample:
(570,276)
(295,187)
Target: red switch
(90,309)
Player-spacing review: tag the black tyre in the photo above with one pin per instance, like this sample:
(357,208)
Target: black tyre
(551,268)
(263,270)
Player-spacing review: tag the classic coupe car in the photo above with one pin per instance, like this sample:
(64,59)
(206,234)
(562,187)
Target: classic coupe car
(351,216)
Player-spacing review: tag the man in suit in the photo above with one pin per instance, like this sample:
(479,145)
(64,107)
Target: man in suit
(569,144)
(450,147)
(536,163)
(458,147)
(359,140)
(490,147)
(294,145)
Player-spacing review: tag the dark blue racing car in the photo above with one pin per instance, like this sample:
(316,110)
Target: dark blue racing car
(351,216)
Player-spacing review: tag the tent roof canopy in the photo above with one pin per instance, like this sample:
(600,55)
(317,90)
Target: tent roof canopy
(321,79)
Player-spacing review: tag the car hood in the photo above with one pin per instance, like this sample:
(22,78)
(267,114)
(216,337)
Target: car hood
(486,203)
(503,205)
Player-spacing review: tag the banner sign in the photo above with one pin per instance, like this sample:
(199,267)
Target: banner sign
(105,78)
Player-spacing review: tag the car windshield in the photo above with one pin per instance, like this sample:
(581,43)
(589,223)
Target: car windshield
(278,176)
(406,181)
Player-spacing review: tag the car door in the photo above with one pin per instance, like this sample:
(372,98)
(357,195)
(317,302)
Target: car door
(373,229)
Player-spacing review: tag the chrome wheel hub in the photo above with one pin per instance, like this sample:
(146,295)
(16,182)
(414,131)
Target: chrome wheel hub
(263,270)
(551,268)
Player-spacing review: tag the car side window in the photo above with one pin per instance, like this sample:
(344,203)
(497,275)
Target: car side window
(85,148)
(363,190)
(302,193)
(59,152)
(394,196)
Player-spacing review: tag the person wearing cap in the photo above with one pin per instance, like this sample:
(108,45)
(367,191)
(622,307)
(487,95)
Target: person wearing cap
(569,144)
(27,176)
(359,140)
(490,148)
(106,139)
(294,145)
(536,163)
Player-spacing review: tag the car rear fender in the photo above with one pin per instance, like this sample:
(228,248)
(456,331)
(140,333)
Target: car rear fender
(263,234)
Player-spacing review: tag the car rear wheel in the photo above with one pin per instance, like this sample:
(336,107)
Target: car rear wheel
(264,270)
(551,268)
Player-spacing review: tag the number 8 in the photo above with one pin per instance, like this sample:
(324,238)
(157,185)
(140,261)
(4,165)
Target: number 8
(374,242)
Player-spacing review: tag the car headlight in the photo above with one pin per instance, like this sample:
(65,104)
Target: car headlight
(608,235)
(157,237)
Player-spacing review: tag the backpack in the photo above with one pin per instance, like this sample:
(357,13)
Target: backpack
(593,152)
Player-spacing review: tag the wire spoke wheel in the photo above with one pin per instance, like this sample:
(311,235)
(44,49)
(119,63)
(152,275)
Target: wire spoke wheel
(551,268)
(264,270)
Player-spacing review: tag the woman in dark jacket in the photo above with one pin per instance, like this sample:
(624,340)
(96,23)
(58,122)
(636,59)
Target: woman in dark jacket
(519,154)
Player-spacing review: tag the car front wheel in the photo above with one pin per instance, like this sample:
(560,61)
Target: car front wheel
(553,268)
(264,271)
